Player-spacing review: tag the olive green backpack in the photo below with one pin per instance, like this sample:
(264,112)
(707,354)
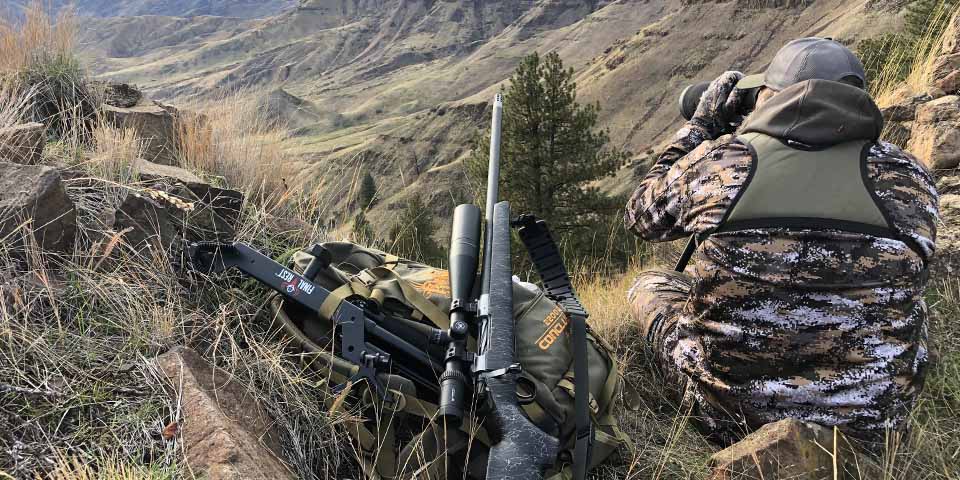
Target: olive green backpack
(400,440)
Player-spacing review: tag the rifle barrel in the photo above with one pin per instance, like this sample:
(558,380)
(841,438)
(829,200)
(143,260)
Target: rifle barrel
(493,186)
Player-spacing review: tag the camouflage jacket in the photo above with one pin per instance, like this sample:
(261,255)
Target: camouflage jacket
(826,326)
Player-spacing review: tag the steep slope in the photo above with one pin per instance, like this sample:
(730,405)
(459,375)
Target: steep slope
(177,8)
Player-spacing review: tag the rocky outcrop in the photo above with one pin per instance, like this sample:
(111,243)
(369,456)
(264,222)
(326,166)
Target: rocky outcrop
(23,143)
(175,203)
(785,449)
(935,135)
(34,201)
(156,125)
(946,67)
(927,124)
(225,431)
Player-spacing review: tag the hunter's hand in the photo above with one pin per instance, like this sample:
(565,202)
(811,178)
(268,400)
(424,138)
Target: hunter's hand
(719,105)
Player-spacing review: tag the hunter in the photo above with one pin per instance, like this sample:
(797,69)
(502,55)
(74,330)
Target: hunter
(812,237)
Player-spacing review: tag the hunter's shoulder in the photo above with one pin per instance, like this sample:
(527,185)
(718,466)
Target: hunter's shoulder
(886,154)
(727,150)
(895,167)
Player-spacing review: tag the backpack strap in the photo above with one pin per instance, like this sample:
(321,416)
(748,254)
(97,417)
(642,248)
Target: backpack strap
(548,263)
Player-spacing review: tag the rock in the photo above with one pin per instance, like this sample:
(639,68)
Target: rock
(177,204)
(936,133)
(946,263)
(950,205)
(946,72)
(154,171)
(951,37)
(23,143)
(785,449)
(903,112)
(948,184)
(940,110)
(122,95)
(149,218)
(156,125)
(216,211)
(898,133)
(36,193)
(904,107)
(226,433)
(949,83)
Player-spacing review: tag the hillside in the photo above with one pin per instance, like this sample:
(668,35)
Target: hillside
(379,77)
(176,8)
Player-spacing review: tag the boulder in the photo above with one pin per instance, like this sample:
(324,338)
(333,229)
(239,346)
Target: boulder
(946,264)
(121,95)
(34,195)
(898,133)
(176,204)
(785,449)
(156,125)
(149,218)
(23,143)
(935,138)
(226,432)
(949,83)
(216,211)
(943,109)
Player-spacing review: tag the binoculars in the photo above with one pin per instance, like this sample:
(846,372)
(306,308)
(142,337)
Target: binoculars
(690,98)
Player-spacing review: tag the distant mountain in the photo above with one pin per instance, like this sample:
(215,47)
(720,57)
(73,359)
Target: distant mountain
(398,87)
(174,8)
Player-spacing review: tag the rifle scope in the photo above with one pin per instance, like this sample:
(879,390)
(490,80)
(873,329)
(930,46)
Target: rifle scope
(464,254)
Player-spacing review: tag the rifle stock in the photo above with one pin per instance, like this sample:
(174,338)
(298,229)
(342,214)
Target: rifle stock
(521,450)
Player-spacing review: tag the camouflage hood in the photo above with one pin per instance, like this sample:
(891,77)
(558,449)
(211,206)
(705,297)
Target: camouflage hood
(818,113)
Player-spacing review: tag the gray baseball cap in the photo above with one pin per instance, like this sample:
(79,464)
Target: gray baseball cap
(808,59)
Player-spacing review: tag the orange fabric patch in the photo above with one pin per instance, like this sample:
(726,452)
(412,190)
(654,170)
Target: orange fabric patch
(556,324)
(437,285)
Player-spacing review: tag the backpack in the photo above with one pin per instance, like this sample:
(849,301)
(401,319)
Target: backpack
(400,440)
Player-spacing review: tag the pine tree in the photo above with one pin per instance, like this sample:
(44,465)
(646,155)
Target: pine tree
(362,231)
(368,191)
(551,153)
(412,235)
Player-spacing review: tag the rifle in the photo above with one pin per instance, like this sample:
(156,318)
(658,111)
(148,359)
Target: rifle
(520,449)
(371,348)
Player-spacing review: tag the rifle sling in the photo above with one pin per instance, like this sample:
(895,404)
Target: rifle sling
(548,263)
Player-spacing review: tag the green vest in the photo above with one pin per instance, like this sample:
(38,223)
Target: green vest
(824,189)
(811,189)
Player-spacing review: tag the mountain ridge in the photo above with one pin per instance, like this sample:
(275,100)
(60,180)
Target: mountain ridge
(377,74)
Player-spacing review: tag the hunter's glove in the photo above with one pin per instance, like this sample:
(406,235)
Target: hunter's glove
(719,110)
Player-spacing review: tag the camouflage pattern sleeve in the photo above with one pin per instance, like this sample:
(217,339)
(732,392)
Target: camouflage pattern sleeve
(690,187)
(908,192)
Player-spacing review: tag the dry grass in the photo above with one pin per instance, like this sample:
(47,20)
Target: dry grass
(14,102)
(233,140)
(72,468)
(37,37)
(75,336)
(888,89)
